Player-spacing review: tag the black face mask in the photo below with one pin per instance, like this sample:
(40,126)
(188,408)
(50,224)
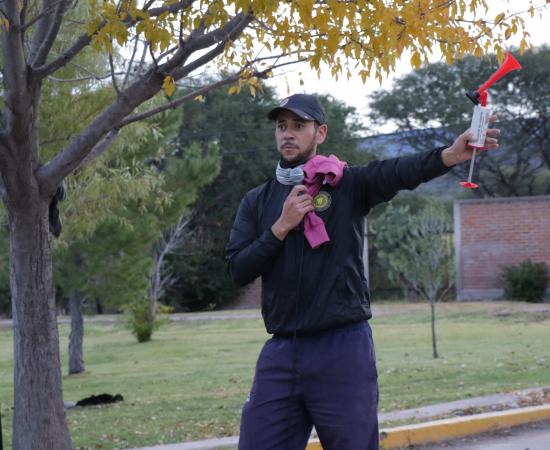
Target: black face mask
(290,165)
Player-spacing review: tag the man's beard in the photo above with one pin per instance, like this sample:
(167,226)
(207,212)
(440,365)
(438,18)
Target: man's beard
(302,159)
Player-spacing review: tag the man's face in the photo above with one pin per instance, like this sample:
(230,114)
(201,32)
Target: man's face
(296,138)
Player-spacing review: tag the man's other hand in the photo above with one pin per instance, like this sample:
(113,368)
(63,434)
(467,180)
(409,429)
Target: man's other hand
(460,151)
(296,206)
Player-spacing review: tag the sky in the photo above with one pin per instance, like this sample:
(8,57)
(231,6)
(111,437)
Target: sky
(353,92)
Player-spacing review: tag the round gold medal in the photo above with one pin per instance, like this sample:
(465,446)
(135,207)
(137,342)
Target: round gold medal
(322,201)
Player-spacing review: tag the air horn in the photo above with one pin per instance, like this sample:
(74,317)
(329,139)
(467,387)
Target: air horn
(482,113)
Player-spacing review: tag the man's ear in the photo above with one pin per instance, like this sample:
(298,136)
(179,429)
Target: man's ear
(322,131)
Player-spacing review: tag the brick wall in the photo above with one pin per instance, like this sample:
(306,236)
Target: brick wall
(490,233)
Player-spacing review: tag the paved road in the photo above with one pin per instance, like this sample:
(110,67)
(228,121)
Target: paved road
(535,436)
(497,308)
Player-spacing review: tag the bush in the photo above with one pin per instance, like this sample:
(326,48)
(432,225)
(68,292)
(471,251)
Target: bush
(525,281)
(139,323)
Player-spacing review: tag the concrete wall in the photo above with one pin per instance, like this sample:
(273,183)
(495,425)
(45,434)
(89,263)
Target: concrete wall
(490,233)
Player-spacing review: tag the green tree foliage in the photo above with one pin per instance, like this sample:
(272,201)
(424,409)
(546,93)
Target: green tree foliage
(106,252)
(432,98)
(239,126)
(382,283)
(116,259)
(417,249)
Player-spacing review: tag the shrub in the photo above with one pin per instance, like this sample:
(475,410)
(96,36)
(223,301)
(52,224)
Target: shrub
(525,281)
(139,323)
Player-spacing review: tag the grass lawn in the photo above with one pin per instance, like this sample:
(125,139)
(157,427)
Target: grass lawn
(190,381)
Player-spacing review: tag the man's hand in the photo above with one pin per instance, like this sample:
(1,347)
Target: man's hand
(296,206)
(460,151)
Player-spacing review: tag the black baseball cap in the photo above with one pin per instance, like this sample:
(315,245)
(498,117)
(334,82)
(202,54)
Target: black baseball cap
(303,105)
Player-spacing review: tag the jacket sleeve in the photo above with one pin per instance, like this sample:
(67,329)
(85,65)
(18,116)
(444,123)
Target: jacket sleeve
(380,181)
(248,253)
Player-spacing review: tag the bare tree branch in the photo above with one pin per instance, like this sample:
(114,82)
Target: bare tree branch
(131,62)
(160,279)
(113,76)
(228,33)
(62,60)
(46,32)
(143,58)
(170,8)
(148,5)
(91,77)
(18,111)
(177,102)
(23,13)
(184,98)
(3,192)
(43,13)
(85,39)
(99,148)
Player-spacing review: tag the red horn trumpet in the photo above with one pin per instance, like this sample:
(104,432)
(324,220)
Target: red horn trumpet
(482,113)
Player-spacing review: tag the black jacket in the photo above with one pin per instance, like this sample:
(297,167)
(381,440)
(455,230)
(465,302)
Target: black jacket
(307,290)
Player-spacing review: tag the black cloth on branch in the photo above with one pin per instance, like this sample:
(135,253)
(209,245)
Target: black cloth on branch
(53,211)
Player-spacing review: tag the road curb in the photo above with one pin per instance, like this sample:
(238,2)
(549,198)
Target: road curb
(442,430)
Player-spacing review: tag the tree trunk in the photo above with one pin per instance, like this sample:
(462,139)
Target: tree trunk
(152,309)
(98,306)
(76,338)
(39,417)
(434,342)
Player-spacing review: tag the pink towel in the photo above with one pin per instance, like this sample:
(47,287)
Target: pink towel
(320,170)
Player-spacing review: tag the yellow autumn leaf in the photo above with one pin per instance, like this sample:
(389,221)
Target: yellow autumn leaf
(499,18)
(415,60)
(169,85)
(522,46)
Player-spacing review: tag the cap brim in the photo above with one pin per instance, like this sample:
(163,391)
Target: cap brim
(276,111)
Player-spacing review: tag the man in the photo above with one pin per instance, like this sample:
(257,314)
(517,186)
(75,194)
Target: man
(303,234)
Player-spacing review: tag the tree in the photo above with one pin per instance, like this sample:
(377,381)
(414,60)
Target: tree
(5,302)
(118,262)
(176,39)
(81,269)
(521,102)
(418,249)
(184,175)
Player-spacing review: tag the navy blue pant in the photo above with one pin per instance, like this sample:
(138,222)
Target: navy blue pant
(328,380)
